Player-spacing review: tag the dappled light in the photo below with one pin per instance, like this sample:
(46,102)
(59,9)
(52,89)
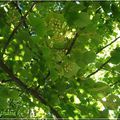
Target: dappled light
(60,59)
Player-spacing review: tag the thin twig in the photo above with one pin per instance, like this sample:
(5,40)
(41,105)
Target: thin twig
(16,28)
(108,45)
(99,68)
(25,25)
(107,60)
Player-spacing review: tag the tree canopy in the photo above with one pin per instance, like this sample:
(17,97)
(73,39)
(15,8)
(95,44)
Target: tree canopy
(59,59)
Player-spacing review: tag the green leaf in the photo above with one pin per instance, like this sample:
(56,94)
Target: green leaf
(72,15)
(38,24)
(83,58)
(89,57)
(87,83)
(100,89)
(47,53)
(22,35)
(4,92)
(3,103)
(53,99)
(112,102)
(8,93)
(69,109)
(115,11)
(14,94)
(61,86)
(36,54)
(74,18)
(106,6)
(115,54)
(71,69)
(41,82)
(53,71)
(28,55)
(83,20)
(59,44)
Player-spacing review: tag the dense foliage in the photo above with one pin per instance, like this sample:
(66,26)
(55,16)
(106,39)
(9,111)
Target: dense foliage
(59,59)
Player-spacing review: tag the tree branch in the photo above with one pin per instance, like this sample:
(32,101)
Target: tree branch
(5,81)
(73,41)
(23,86)
(107,60)
(108,45)
(99,68)
(16,28)
(16,4)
